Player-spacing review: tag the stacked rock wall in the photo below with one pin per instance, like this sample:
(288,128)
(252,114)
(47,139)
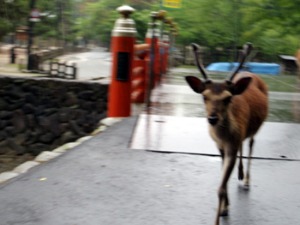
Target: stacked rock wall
(39,114)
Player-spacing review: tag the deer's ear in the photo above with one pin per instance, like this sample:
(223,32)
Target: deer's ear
(241,85)
(195,83)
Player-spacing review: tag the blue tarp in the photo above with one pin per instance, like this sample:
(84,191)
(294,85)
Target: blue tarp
(254,67)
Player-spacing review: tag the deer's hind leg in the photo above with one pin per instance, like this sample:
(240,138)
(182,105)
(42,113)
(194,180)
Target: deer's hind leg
(247,178)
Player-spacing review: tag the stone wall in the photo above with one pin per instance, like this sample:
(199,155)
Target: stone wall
(39,114)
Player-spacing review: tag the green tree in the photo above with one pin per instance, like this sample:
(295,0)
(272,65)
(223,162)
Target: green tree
(98,18)
(57,20)
(273,26)
(12,14)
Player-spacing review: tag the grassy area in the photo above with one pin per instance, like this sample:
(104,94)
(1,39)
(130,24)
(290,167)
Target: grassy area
(283,111)
(280,83)
(287,110)
(188,66)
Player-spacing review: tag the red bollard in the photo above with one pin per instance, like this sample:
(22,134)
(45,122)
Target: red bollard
(166,42)
(152,38)
(140,73)
(123,40)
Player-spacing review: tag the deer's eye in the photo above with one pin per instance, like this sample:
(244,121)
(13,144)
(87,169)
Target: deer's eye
(227,100)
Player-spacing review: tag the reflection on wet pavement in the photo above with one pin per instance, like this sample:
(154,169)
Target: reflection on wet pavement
(178,100)
(190,135)
(173,123)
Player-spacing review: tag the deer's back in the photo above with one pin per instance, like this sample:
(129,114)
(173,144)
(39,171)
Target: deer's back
(251,107)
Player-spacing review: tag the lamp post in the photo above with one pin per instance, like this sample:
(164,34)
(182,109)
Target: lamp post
(33,17)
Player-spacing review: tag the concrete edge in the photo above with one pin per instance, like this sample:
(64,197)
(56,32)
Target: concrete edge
(46,156)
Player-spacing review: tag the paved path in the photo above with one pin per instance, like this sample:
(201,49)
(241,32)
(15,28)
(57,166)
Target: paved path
(184,91)
(95,64)
(91,65)
(178,134)
(103,182)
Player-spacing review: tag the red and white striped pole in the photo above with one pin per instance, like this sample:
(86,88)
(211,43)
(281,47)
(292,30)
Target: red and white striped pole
(151,38)
(166,41)
(123,40)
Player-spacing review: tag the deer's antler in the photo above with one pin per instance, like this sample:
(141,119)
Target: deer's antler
(247,49)
(200,67)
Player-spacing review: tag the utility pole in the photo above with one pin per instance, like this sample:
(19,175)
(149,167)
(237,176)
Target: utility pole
(30,60)
(61,28)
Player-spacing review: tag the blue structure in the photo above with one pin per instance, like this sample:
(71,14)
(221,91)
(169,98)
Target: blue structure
(254,67)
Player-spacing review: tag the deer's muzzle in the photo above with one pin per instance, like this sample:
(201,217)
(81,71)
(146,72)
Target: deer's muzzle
(213,119)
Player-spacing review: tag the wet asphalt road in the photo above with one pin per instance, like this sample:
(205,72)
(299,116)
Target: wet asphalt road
(180,100)
(95,64)
(175,95)
(103,182)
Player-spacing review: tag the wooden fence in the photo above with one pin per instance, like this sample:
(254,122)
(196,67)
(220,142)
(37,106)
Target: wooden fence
(62,70)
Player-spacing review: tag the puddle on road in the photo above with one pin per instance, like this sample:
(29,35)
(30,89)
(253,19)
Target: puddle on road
(175,101)
(279,110)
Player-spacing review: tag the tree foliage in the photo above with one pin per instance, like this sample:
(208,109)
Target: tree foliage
(56,20)
(100,16)
(11,14)
(272,26)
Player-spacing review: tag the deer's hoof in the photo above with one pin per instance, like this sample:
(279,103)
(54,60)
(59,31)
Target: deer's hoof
(241,175)
(224,212)
(246,186)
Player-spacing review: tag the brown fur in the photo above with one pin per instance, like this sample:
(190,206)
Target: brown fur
(235,112)
(250,108)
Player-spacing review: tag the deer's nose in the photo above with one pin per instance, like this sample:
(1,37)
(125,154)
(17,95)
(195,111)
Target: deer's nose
(213,119)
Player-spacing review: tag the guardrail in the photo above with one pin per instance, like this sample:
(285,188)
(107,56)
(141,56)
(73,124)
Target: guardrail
(142,69)
(140,75)
(62,70)
(136,68)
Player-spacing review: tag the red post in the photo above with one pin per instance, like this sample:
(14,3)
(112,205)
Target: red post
(140,73)
(166,42)
(123,40)
(152,38)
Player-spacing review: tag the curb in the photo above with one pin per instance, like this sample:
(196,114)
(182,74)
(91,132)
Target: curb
(46,156)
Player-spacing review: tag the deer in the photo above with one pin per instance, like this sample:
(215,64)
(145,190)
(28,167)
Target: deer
(235,108)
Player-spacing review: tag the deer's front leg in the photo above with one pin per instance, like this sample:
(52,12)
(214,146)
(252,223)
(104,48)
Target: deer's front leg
(229,161)
(222,154)
(241,169)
